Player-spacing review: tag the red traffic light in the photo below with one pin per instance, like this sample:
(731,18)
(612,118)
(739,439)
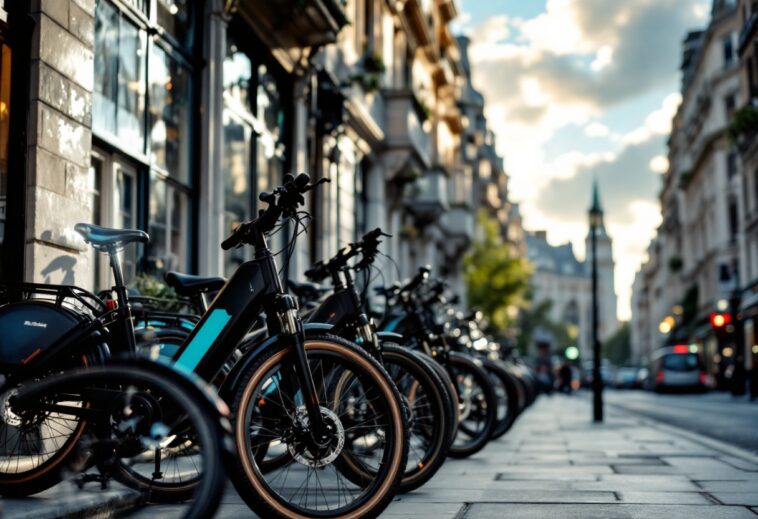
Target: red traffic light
(719,320)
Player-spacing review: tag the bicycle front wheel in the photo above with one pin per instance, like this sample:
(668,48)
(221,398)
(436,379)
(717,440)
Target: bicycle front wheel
(364,418)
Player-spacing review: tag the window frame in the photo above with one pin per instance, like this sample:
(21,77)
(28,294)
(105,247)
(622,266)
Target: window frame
(144,167)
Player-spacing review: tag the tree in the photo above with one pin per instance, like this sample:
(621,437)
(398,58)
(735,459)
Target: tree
(495,278)
(618,348)
(537,316)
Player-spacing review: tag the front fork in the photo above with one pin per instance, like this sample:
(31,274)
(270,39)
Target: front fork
(292,328)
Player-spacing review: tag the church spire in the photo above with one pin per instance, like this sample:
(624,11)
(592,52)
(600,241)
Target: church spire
(596,207)
(596,210)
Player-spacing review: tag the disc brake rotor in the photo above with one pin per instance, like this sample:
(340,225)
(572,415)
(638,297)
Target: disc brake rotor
(302,452)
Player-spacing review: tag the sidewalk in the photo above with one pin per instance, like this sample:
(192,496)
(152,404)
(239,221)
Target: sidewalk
(556,464)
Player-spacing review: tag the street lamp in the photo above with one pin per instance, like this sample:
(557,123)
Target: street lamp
(596,220)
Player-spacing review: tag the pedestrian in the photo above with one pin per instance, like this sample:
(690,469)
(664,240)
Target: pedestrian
(565,375)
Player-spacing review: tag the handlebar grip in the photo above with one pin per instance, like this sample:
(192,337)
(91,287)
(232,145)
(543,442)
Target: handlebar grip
(231,242)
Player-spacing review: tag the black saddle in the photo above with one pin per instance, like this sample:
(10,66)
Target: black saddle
(307,291)
(187,285)
(105,239)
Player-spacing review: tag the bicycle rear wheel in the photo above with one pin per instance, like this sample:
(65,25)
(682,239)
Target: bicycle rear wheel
(149,428)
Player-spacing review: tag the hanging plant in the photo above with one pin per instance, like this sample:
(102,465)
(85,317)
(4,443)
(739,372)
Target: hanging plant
(744,122)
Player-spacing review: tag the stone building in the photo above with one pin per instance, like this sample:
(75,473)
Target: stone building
(173,115)
(696,261)
(567,283)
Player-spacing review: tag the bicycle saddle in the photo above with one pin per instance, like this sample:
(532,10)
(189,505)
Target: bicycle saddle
(188,285)
(305,290)
(103,238)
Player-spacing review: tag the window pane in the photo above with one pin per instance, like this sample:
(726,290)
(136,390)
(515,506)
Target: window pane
(269,107)
(238,72)
(131,88)
(124,195)
(106,67)
(176,260)
(236,172)
(158,225)
(169,114)
(174,17)
(5,96)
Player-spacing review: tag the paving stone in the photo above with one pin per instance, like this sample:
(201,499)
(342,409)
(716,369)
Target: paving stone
(548,496)
(728,486)
(645,469)
(600,511)
(665,498)
(738,498)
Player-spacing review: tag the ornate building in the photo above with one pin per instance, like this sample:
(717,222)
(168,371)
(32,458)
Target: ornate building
(173,115)
(566,282)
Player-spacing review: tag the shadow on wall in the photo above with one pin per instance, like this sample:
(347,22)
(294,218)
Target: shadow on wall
(63,263)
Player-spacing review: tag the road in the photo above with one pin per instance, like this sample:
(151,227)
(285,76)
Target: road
(716,415)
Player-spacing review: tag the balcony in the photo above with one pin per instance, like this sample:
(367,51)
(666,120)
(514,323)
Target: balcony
(288,24)
(427,197)
(407,143)
(748,31)
(458,224)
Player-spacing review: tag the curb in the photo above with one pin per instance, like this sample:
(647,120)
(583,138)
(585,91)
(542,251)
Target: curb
(102,503)
(711,443)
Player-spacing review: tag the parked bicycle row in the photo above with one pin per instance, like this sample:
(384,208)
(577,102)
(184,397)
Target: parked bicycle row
(311,403)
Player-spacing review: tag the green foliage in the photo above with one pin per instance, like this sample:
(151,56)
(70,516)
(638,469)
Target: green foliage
(689,304)
(150,286)
(537,316)
(744,121)
(618,348)
(495,277)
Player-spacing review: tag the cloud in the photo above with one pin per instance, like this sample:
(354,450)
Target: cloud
(657,122)
(566,68)
(634,46)
(596,130)
(659,164)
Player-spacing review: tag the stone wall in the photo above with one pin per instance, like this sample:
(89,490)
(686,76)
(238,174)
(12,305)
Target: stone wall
(60,138)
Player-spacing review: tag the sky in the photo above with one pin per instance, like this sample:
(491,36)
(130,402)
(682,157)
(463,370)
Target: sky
(583,89)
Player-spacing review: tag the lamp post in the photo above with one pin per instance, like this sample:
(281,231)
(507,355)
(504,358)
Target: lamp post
(596,219)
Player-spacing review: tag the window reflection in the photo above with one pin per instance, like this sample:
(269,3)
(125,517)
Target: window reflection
(237,192)
(118,103)
(5,98)
(169,114)
(106,67)
(174,17)
(131,88)
(238,73)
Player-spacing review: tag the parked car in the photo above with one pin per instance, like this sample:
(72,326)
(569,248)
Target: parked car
(627,378)
(678,368)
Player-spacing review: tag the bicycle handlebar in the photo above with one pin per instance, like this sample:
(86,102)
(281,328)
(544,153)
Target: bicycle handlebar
(284,200)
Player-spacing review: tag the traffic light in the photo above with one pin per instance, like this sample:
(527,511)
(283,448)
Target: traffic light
(719,320)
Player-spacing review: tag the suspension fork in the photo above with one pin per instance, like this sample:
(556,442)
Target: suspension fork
(292,328)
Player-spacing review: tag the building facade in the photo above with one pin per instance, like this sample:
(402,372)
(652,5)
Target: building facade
(172,116)
(704,259)
(566,283)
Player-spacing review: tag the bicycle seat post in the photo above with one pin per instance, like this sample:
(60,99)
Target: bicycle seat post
(122,297)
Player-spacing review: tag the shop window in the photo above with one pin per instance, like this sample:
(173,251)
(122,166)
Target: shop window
(168,226)
(142,111)
(118,100)
(175,17)
(169,87)
(236,168)
(5,96)
(254,127)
